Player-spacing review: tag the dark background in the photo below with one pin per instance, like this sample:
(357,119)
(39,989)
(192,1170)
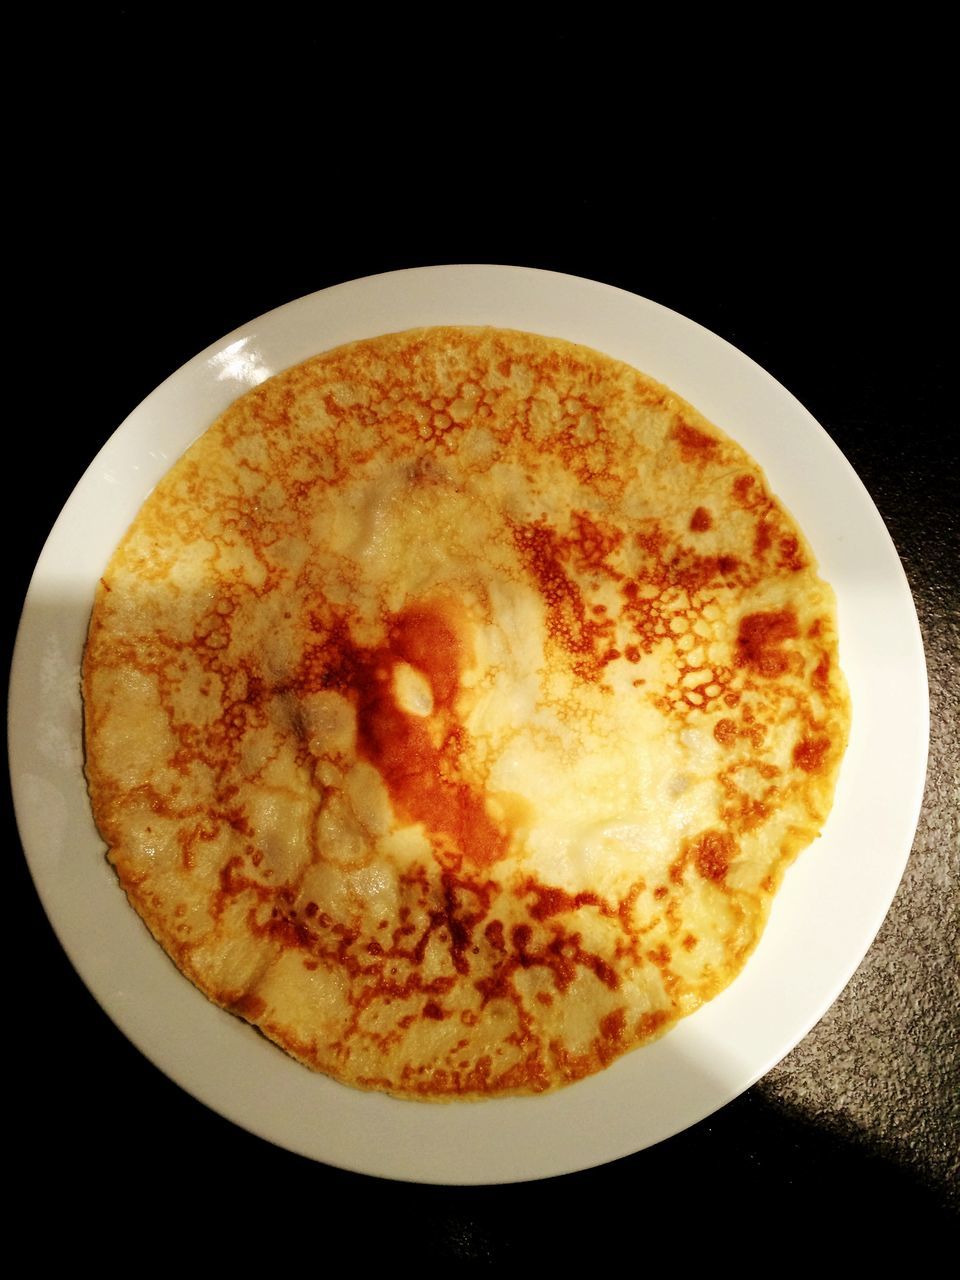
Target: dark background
(788,192)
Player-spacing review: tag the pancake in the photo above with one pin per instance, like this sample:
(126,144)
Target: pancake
(454,706)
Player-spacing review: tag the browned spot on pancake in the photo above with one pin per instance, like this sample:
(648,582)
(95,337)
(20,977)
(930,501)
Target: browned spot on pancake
(791,558)
(746,492)
(613,1025)
(592,543)
(725,732)
(232,883)
(560,953)
(552,901)
(417,756)
(494,935)
(821,674)
(760,638)
(585,638)
(695,446)
(809,753)
(762,538)
(693,572)
(249,1005)
(712,852)
(741,810)
(288,932)
(650,1023)
(701,520)
(187,838)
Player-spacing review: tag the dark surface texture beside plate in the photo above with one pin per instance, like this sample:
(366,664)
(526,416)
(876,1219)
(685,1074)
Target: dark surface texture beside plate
(196,218)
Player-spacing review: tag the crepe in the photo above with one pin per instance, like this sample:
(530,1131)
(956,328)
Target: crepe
(454,706)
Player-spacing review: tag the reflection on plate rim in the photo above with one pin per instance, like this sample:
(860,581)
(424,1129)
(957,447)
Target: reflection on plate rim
(709,1058)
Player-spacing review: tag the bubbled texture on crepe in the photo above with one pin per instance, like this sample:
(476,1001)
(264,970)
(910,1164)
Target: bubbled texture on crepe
(454,706)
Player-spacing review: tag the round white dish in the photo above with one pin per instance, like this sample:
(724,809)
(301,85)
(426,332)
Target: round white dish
(823,921)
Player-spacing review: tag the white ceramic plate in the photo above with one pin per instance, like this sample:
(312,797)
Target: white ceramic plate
(823,921)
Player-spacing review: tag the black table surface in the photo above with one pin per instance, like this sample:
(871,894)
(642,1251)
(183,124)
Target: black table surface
(176,216)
